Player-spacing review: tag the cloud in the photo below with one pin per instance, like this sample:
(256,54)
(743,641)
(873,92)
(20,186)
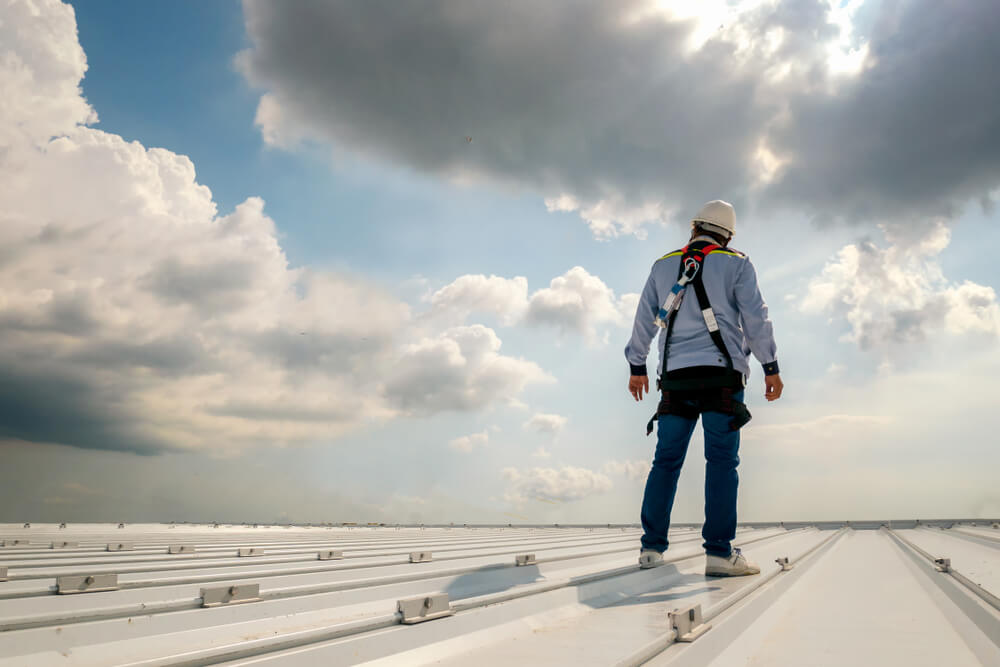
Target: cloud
(546,423)
(459,370)
(636,112)
(134,317)
(636,471)
(899,294)
(41,76)
(467,443)
(836,433)
(565,484)
(894,143)
(576,302)
(507,298)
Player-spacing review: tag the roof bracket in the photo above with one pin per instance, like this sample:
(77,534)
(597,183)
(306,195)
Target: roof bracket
(525,559)
(180,549)
(943,564)
(785,564)
(688,623)
(61,544)
(250,551)
(86,583)
(420,556)
(3,574)
(226,595)
(15,543)
(121,546)
(330,555)
(424,608)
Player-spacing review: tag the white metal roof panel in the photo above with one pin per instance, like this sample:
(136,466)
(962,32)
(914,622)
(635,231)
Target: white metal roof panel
(866,593)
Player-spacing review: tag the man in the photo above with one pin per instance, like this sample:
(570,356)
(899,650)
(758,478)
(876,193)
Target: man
(706,301)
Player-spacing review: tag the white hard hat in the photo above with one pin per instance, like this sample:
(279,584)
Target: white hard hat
(717,213)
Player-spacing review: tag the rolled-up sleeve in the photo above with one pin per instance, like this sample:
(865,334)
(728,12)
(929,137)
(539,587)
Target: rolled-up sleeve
(644,328)
(756,326)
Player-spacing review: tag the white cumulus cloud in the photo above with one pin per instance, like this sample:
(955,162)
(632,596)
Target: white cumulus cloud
(507,298)
(576,302)
(565,484)
(899,294)
(546,423)
(466,443)
(461,369)
(133,316)
(633,470)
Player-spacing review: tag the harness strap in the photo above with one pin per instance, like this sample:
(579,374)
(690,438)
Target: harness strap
(720,398)
(694,252)
(684,405)
(713,326)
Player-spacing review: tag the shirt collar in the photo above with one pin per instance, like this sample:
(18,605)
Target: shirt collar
(704,237)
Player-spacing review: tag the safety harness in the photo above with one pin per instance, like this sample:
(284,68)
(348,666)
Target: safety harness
(710,393)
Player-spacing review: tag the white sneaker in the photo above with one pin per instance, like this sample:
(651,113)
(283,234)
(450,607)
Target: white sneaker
(650,558)
(736,565)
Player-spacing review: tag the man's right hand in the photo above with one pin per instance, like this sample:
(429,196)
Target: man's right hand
(773,386)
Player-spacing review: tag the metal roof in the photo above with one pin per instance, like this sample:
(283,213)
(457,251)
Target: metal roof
(863,593)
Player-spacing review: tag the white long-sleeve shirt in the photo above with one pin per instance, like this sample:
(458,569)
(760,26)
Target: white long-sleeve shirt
(731,284)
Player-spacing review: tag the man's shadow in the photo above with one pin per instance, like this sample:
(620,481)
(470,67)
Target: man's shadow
(669,576)
(491,579)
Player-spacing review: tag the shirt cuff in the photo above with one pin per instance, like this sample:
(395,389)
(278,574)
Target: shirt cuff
(771,368)
(637,370)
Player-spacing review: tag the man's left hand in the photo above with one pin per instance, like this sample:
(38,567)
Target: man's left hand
(637,384)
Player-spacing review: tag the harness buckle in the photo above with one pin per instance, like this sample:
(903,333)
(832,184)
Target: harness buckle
(691,266)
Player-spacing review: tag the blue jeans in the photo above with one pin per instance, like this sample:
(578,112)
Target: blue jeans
(721,480)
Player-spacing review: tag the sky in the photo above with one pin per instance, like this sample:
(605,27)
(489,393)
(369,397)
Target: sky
(342,261)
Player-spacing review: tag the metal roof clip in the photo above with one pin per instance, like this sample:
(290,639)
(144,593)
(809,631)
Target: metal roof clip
(225,595)
(86,583)
(424,608)
(943,564)
(420,556)
(688,623)
(121,546)
(250,551)
(784,563)
(525,559)
(180,549)
(3,574)
(330,555)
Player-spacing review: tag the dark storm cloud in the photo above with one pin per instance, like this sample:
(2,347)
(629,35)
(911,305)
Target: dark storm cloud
(57,406)
(568,97)
(918,134)
(557,96)
(268,411)
(169,357)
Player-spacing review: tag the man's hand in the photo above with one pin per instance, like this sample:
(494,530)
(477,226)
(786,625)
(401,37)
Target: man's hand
(637,384)
(772,387)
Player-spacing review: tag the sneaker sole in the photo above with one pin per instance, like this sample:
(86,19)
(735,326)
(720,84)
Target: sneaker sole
(646,562)
(720,573)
